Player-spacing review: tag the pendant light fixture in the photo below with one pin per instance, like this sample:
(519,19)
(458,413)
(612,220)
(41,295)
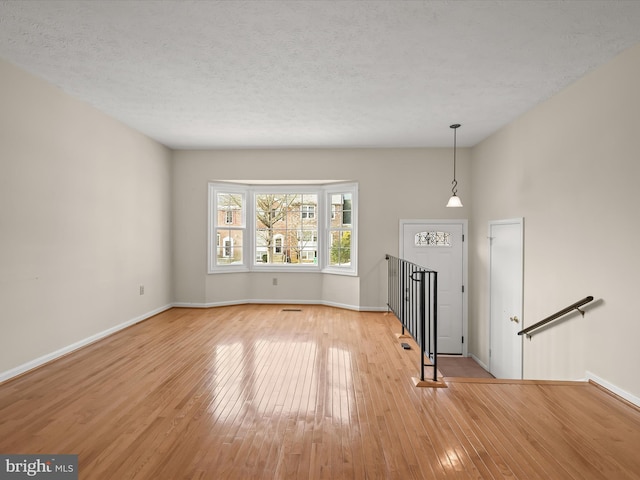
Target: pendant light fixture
(454,201)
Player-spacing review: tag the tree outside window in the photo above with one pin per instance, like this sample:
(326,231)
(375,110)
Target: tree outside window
(284,222)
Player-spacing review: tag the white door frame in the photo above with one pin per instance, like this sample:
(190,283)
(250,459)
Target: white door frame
(519,338)
(465,266)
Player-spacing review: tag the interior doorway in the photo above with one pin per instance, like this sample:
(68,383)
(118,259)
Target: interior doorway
(506,266)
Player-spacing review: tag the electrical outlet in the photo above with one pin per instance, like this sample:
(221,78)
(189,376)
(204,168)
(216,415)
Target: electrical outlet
(141,289)
(275,281)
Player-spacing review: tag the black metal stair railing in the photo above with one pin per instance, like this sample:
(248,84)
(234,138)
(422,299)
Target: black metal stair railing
(412,297)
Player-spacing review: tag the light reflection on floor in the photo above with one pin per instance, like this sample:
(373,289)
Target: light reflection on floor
(294,376)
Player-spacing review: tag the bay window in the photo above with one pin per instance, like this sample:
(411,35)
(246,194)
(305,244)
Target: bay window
(293,227)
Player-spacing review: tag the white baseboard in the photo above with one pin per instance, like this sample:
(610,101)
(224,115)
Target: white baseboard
(14,372)
(280,301)
(243,302)
(479,362)
(204,305)
(618,391)
(373,309)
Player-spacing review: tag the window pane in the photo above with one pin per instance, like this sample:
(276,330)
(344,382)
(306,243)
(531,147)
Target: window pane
(340,248)
(433,239)
(286,226)
(346,209)
(306,248)
(308,209)
(229,207)
(341,209)
(229,247)
(341,229)
(336,210)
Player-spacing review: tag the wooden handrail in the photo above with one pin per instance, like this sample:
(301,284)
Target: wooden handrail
(564,311)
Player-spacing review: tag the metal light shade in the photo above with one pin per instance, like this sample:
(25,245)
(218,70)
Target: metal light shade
(454,201)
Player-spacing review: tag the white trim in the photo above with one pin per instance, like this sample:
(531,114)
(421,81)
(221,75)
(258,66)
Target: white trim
(617,390)
(280,301)
(338,189)
(204,305)
(374,309)
(480,362)
(465,266)
(25,367)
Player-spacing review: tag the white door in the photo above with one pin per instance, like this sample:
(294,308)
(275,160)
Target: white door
(439,247)
(505,292)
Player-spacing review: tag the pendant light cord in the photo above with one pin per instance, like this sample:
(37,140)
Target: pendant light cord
(454,189)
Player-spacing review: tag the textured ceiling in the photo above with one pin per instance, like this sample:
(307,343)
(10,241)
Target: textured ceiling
(227,74)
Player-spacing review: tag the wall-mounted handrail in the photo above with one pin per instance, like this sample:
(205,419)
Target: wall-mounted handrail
(551,318)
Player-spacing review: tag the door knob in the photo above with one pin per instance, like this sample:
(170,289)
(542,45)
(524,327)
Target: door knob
(514,319)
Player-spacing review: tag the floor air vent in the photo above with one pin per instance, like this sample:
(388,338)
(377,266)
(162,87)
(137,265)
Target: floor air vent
(291,309)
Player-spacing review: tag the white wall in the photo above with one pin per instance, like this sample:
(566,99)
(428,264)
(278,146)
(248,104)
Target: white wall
(393,184)
(85,218)
(571,168)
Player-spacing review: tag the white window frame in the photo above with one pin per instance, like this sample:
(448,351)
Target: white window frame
(254,191)
(323,214)
(214,247)
(345,188)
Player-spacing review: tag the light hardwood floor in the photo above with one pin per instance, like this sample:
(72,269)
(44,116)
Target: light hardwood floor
(254,391)
(456,366)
